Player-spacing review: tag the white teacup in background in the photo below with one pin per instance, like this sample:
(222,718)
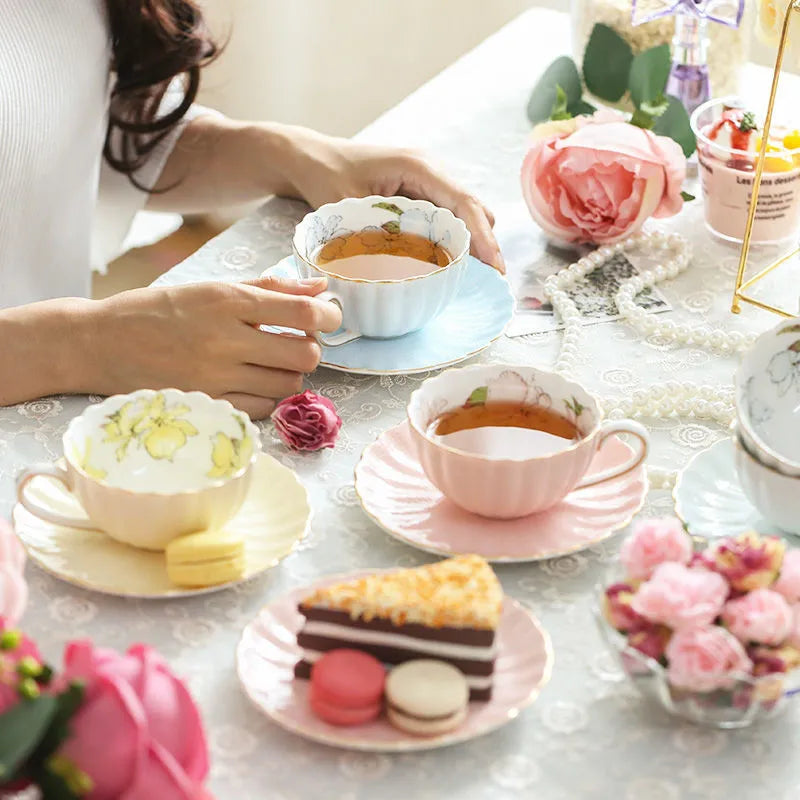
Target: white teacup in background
(530,478)
(376,305)
(150,466)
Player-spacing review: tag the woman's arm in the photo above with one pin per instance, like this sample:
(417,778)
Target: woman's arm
(218,162)
(201,336)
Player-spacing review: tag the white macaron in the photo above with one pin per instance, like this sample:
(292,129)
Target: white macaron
(426,697)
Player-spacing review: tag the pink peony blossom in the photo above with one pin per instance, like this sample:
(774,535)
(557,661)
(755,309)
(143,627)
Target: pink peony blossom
(14,648)
(13,589)
(138,734)
(680,597)
(747,562)
(761,616)
(653,542)
(602,181)
(788,583)
(652,640)
(307,421)
(617,608)
(702,659)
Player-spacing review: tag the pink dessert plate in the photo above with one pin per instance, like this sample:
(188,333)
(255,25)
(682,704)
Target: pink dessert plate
(268,651)
(397,495)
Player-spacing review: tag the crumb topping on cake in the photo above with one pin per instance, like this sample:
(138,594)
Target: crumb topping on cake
(460,592)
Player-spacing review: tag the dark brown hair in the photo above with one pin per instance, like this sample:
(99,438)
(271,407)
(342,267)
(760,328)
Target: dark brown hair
(154,41)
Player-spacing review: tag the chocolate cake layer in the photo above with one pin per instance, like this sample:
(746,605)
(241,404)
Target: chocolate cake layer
(394,655)
(472,637)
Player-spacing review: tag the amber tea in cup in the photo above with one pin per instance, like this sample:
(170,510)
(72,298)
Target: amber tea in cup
(378,254)
(505,430)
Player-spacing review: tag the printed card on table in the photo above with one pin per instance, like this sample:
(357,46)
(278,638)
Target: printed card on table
(594,295)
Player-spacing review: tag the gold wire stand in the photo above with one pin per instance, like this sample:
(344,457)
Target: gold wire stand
(739,295)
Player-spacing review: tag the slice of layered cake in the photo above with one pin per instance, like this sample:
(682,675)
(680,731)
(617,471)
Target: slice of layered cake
(448,611)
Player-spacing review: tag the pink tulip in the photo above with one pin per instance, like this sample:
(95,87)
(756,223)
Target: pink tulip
(13,589)
(600,179)
(138,734)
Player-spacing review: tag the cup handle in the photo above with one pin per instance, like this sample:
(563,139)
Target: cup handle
(340,337)
(609,429)
(36,508)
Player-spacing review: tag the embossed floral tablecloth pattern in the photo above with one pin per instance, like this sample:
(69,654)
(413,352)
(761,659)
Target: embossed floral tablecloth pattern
(589,735)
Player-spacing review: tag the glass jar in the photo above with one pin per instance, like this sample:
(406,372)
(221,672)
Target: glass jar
(729,47)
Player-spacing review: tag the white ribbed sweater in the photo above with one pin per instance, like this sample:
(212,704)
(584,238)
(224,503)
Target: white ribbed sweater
(55,83)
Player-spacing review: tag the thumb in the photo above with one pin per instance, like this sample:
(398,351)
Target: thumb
(274,283)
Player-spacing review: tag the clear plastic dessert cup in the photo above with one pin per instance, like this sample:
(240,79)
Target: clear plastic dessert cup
(727,174)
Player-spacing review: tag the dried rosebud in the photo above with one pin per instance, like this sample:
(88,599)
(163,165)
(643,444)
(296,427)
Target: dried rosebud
(748,562)
(307,421)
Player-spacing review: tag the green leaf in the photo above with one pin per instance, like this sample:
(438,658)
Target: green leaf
(478,396)
(54,787)
(607,63)
(674,122)
(648,75)
(68,702)
(391,227)
(560,106)
(748,122)
(21,730)
(389,207)
(687,198)
(641,119)
(561,73)
(656,108)
(581,108)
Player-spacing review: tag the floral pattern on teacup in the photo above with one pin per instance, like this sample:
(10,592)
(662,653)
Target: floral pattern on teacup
(151,423)
(321,231)
(784,367)
(229,454)
(417,221)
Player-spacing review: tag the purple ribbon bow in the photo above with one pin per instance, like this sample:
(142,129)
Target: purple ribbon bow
(728,12)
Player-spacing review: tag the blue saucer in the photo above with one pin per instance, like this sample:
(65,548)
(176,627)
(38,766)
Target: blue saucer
(475,318)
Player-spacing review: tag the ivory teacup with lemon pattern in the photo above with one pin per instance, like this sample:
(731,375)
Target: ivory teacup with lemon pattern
(152,465)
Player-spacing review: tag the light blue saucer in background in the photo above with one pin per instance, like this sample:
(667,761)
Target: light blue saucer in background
(476,317)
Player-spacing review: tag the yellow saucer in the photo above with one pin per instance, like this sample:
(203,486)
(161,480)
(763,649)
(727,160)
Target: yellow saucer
(274,517)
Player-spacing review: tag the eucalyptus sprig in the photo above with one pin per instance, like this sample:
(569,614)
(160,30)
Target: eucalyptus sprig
(612,72)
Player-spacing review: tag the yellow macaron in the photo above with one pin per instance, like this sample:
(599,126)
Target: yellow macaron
(205,558)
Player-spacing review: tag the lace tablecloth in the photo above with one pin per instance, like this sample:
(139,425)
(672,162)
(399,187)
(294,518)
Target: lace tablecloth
(589,735)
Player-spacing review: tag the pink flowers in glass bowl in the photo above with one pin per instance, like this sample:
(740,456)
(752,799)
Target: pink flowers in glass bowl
(712,632)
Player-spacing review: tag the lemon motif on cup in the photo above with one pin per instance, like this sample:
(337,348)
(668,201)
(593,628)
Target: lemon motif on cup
(229,454)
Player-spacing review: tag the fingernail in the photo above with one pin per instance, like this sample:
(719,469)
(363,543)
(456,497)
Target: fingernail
(310,281)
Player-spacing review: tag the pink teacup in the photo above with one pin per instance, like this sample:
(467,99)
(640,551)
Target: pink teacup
(516,472)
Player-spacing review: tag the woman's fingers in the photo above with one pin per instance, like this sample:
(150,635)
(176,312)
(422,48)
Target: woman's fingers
(255,407)
(281,351)
(259,305)
(421,181)
(265,382)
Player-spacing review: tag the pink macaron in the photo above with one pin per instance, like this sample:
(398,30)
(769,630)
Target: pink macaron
(347,687)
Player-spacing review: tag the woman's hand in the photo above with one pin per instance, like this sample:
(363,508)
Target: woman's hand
(328,169)
(205,337)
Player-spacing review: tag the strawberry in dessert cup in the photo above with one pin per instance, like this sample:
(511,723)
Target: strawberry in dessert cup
(729,139)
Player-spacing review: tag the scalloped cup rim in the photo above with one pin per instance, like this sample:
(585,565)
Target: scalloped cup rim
(739,381)
(599,416)
(398,200)
(214,403)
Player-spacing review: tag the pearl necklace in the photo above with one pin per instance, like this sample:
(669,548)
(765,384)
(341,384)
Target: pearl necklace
(659,401)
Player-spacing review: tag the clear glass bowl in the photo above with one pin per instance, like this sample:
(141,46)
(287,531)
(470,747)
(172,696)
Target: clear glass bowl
(746,701)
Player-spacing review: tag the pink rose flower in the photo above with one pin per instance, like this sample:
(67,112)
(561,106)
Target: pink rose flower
(703,659)
(679,597)
(652,640)
(307,421)
(760,616)
(13,588)
(138,734)
(617,608)
(788,583)
(653,542)
(601,182)
(14,648)
(769,660)
(748,562)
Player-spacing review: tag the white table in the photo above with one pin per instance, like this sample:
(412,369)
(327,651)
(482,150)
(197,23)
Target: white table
(589,735)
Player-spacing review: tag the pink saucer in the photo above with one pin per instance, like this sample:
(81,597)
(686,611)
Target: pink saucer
(268,651)
(397,495)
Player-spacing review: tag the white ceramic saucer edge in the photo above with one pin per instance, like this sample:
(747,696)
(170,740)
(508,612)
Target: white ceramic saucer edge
(408,743)
(284,266)
(174,592)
